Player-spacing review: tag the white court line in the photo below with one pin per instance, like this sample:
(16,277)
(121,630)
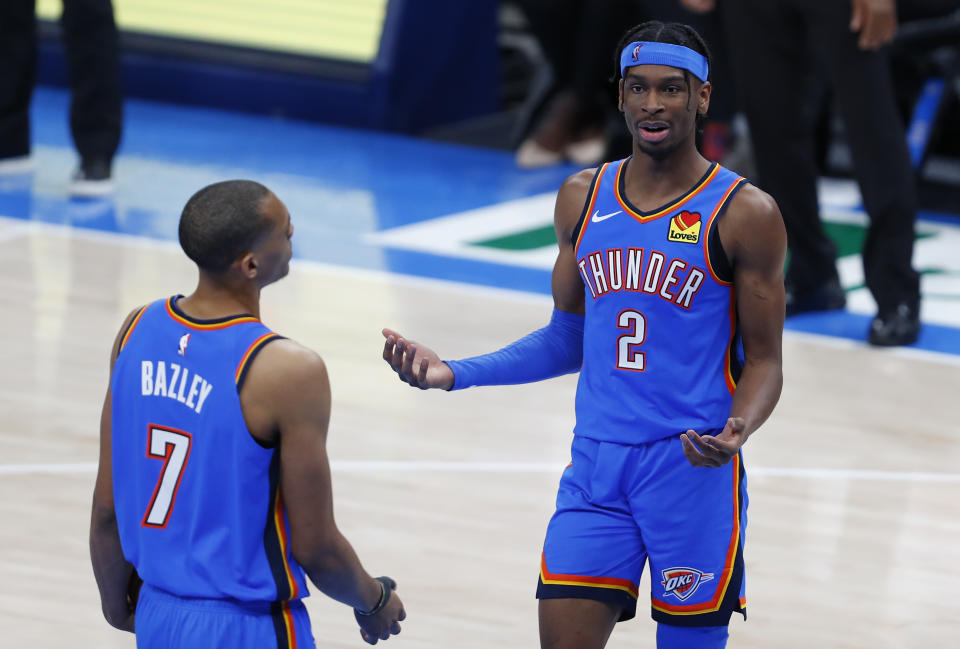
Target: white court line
(117,238)
(438,466)
(13,231)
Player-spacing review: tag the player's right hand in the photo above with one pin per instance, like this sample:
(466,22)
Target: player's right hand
(415,364)
(386,622)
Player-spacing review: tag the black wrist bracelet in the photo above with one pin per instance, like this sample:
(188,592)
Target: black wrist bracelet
(386,586)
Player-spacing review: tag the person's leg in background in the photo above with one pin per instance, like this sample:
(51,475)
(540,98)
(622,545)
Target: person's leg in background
(767,42)
(717,136)
(863,87)
(578,39)
(18,62)
(93,58)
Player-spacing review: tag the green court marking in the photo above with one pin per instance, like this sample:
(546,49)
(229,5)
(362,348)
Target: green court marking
(523,240)
(847,237)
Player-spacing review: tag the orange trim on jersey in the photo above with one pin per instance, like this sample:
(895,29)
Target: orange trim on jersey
(259,342)
(131,327)
(288,625)
(206,327)
(282,536)
(669,208)
(743,602)
(724,582)
(728,355)
(614,583)
(706,239)
(592,199)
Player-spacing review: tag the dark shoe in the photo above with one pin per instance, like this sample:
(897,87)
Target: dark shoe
(92,179)
(899,327)
(827,297)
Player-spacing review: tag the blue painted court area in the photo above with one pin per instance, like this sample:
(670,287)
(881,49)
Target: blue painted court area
(340,186)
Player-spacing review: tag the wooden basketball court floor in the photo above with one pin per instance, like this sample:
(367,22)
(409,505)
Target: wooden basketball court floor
(854,482)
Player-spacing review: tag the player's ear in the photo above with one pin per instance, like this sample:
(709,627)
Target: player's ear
(620,96)
(703,98)
(248,265)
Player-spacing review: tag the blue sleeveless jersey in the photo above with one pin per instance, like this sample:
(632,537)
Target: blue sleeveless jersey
(660,343)
(197,499)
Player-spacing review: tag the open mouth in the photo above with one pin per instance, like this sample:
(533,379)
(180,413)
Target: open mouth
(653,131)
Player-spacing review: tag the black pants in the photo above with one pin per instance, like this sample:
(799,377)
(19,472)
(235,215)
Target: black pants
(773,43)
(92,46)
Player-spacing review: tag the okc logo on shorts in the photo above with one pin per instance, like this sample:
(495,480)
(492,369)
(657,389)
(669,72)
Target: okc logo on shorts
(636,51)
(685,227)
(683,582)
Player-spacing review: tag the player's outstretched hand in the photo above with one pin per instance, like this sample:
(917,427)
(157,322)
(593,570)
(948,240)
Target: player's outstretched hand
(385,621)
(415,364)
(714,450)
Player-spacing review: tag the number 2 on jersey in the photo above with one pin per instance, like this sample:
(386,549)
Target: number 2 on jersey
(628,357)
(173,447)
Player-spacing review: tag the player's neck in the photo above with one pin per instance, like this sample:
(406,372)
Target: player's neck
(665,177)
(216,298)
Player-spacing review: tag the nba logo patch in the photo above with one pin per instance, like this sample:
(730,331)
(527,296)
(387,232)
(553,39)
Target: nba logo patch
(683,582)
(636,51)
(184,341)
(685,227)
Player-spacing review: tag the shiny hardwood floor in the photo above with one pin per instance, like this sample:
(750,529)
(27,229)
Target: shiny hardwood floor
(854,482)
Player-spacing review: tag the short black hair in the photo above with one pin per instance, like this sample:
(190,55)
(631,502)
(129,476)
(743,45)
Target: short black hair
(223,221)
(656,31)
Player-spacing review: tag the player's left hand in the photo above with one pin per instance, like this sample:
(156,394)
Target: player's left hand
(714,450)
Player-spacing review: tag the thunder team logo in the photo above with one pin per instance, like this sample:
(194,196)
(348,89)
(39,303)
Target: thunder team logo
(683,582)
(685,227)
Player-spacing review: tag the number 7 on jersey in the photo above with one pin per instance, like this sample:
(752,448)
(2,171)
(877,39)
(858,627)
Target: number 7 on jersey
(173,447)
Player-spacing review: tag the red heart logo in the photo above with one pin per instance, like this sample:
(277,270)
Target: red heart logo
(685,219)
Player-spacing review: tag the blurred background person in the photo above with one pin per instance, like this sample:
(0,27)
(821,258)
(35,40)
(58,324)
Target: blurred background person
(773,45)
(92,47)
(576,122)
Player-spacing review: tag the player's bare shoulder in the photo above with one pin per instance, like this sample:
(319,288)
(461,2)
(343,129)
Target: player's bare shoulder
(752,221)
(286,382)
(570,201)
(285,364)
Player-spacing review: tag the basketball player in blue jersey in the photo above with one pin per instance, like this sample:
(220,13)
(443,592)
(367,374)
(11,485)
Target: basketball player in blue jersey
(213,497)
(669,300)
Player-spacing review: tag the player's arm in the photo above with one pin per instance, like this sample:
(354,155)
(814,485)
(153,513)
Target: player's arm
(113,573)
(753,235)
(287,395)
(548,352)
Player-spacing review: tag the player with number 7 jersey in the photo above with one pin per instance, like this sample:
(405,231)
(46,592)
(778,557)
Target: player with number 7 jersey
(201,475)
(213,501)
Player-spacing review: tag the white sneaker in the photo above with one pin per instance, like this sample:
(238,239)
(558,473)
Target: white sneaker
(587,153)
(531,155)
(23,164)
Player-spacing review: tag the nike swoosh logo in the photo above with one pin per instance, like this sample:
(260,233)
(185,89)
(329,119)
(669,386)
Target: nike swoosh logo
(597,218)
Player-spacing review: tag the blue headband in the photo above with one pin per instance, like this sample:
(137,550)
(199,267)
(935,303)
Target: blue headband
(677,56)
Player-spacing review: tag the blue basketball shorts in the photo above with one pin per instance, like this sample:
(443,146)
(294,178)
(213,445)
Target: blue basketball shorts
(166,621)
(620,505)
